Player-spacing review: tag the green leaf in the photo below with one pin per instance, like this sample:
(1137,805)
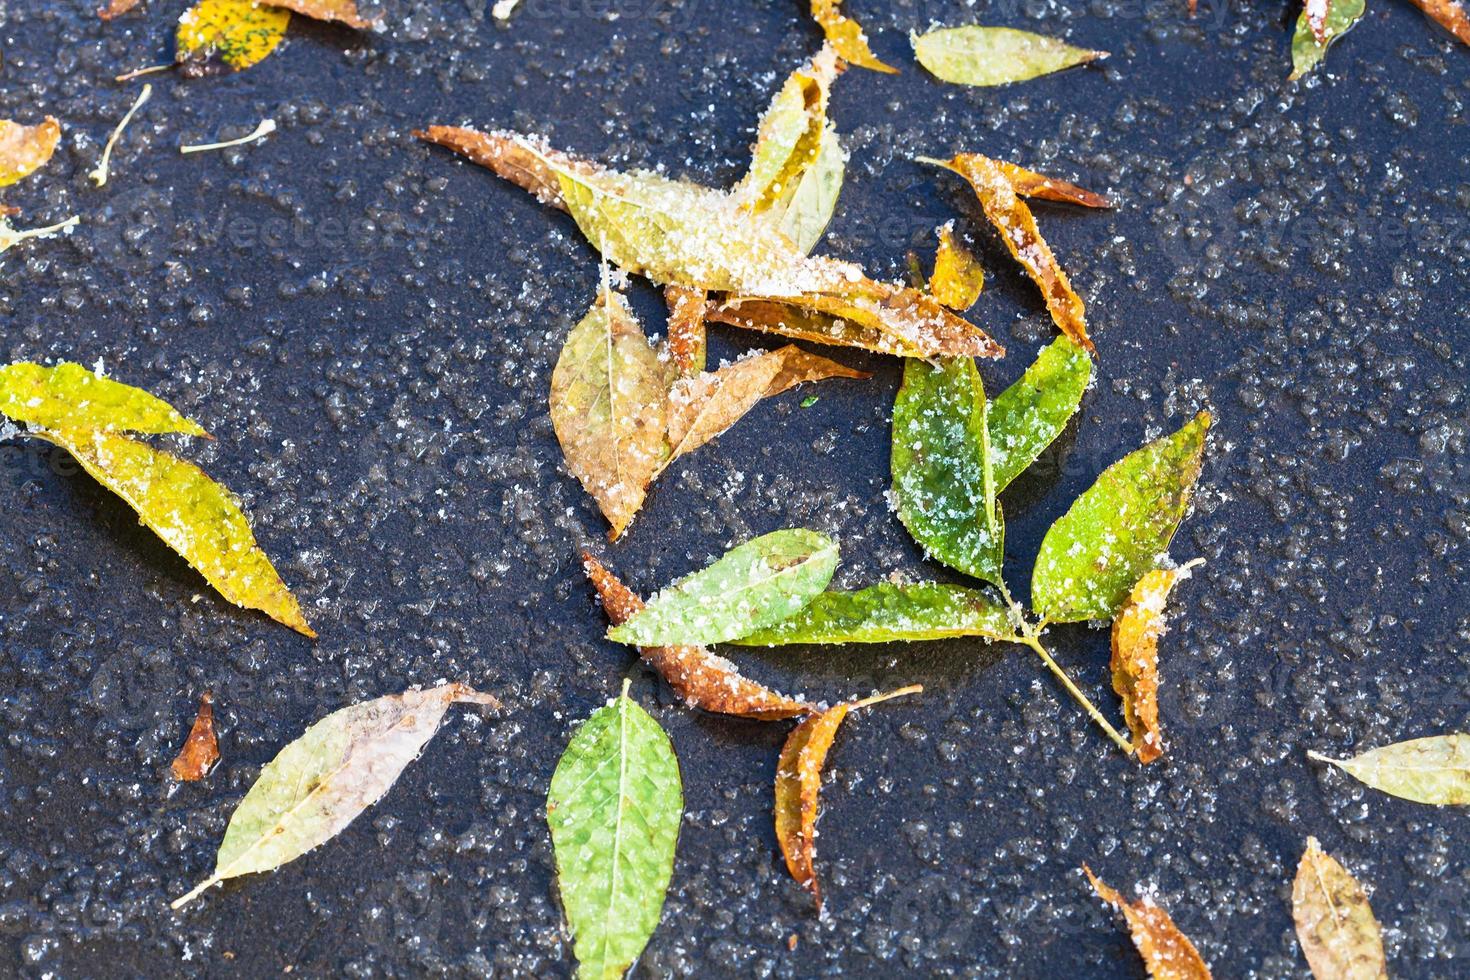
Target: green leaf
(1306,50)
(943,481)
(1433,770)
(614,808)
(756,584)
(68,396)
(975,55)
(1029,415)
(319,783)
(886,612)
(1118,529)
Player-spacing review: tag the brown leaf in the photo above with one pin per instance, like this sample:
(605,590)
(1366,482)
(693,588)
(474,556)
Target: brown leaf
(1167,953)
(116,8)
(25,149)
(686,341)
(1334,922)
(958,276)
(702,407)
(342,11)
(201,749)
(510,159)
(1029,183)
(799,786)
(700,678)
(1012,218)
(1449,14)
(847,36)
(1136,632)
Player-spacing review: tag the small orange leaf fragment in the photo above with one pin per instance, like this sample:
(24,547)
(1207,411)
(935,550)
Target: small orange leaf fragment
(25,149)
(342,11)
(958,276)
(799,786)
(201,748)
(685,344)
(1167,953)
(700,678)
(1029,183)
(1449,14)
(1135,663)
(116,8)
(847,37)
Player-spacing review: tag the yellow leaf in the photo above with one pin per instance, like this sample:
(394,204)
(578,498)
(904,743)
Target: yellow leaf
(221,35)
(68,396)
(25,149)
(1334,922)
(847,36)
(1135,665)
(958,276)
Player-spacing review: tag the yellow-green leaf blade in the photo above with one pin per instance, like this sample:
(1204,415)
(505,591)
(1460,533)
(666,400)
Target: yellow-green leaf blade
(1306,50)
(1434,770)
(1334,922)
(194,516)
(887,613)
(318,784)
(70,396)
(1030,414)
(614,807)
(1117,530)
(976,55)
(227,35)
(806,212)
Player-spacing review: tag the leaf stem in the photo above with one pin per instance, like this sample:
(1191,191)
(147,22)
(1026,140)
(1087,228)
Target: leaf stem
(99,173)
(879,698)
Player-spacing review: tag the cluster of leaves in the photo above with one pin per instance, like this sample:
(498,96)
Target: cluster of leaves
(1323,22)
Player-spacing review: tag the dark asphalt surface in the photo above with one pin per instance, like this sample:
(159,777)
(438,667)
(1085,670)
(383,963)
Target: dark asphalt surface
(368,325)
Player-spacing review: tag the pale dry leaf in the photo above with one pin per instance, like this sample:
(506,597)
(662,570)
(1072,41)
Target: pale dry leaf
(1339,934)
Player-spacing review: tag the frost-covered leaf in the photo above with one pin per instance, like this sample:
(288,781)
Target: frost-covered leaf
(886,612)
(227,35)
(25,149)
(1167,953)
(201,748)
(341,11)
(702,407)
(805,215)
(1433,770)
(1029,183)
(943,479)
(1306,49)
(700,678)
(756,584)
(319,783)
(1030,414)
(1013,219)
(1118,529)
(799,787)
(685,345)
(614,807)
(1135,663)
(70,396)
(844,34)
(609,399)
(958,276)
(1449,14)
(1334,922)
(116,8)
(194,516)
(975,55)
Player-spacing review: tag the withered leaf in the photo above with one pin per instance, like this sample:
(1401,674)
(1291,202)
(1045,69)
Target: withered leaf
(958,276)
(685,345)
(1135,665)
(201,748)
(319,783)
(1029,183)
(25,149)
(1167,953)
(702,679)
(1449,14)
(1012,218)
(1433,770)
(1334,922)
(847,36)
(116,8)
(789,137)
(227,35)
(799,786)
(341,11)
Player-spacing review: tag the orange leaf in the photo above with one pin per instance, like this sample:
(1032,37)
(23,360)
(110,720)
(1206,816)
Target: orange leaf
(847,36)
(201,748)
(958,276)
(1167,953)
(342,11)
(686,341)
(1029,183)
(799,786)
(116,8)
(702,679)
(1136,632)
(1449,14)
(25,149)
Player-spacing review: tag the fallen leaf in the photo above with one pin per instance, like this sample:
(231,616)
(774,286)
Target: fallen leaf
(1434,770)
(1449,14)
(116,8)
(227,35)
(201,748)
(1167,953)
(1307,50)
(943,481)
(70,396)
(319,783)
(1012,218)
(756,584)
(25,149)
(1135,663)
(685,346)
(1334,922)
(1030,414)
(1117,530)
(975,55)
(614,808)
(341,11)
(886,612)
(799,786)
(609,408)
(1029,183)
(958,276)
(845,35)
(697,676)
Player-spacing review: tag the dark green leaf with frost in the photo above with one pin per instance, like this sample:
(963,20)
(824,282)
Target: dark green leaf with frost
(614,808)
(1118,529)
(757,584)
(942,480)
(886,612)
(1306,50)
(1029,415)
